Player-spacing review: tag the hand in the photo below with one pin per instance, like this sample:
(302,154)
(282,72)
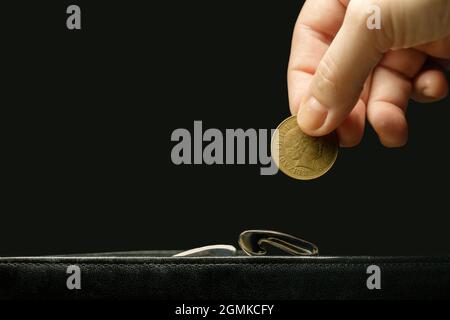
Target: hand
(340,70)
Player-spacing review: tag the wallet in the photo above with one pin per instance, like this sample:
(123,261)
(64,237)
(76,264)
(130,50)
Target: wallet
(268,266)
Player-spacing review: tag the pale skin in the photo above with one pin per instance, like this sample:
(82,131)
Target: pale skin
(342,73)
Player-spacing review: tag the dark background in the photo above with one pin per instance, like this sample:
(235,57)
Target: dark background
(88,115)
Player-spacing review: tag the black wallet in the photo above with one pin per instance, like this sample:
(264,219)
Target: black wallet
(269,266)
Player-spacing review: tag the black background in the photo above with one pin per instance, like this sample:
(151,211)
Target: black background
(88,115)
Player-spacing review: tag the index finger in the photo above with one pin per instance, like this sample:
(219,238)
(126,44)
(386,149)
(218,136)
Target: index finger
(318,23)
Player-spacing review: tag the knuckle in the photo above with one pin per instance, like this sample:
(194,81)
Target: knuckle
(326,81)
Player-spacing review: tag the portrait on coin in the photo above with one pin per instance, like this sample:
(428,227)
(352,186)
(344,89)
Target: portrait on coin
(303,151)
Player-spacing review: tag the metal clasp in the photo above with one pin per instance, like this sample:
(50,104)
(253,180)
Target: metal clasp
(258,243)
(273,243)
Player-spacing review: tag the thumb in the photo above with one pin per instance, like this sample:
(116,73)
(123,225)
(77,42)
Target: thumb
(357,49)
(342,72)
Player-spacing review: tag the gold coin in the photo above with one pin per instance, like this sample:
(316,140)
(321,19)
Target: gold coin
(301,156)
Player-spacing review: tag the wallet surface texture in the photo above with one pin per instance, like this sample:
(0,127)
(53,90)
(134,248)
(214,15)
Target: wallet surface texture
(157,275)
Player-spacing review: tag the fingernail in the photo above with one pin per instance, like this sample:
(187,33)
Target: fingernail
(312,115)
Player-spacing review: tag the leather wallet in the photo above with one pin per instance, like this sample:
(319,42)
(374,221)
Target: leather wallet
(159,275)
